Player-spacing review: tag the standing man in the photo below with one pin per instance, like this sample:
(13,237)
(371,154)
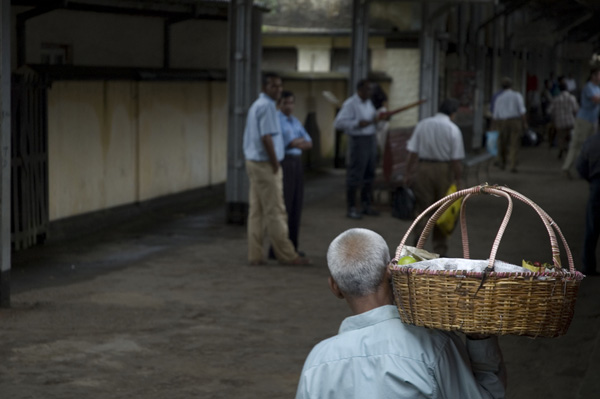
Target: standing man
(562,110)
(358,119)
(510,120)
(586,121)
(376,355)
(436,145)
(263,150)
(588,166)
(295,140)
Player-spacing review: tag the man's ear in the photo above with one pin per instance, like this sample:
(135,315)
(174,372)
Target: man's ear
(334,288)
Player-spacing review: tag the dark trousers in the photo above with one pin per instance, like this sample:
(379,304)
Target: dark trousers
(293,195)
(592,228)
(360,172)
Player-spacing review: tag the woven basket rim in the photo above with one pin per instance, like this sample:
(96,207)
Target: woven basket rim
(565,275)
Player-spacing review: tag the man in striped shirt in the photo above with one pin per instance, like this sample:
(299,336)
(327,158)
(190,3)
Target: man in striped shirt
(563,109)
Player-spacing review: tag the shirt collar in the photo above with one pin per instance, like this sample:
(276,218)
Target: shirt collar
(442,115)
(284,116)
(369,318)
(266,97)
(360,100)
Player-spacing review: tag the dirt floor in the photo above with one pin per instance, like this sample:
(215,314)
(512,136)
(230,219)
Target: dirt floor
(165,305)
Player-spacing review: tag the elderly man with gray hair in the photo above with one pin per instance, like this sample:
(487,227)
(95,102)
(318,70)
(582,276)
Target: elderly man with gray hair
(376,355)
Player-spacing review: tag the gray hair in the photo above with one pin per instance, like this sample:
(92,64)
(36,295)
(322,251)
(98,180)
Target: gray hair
(357,261)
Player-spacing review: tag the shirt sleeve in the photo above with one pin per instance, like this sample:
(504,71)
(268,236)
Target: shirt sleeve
(575,105)
(413,143)
(304,133)
(458,150)
(522,109)
(347,118)
(268,121)
(474,370)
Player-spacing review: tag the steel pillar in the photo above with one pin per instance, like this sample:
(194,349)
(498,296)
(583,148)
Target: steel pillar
(429,78)
(480,78)
(243,77)
(5,154)
(359,68)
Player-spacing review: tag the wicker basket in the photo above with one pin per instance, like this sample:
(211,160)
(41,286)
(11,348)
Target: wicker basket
(530,304)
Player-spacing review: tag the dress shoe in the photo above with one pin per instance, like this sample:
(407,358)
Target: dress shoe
(353,214)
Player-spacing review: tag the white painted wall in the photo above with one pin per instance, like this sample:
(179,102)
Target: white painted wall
(114,143)
(403,66)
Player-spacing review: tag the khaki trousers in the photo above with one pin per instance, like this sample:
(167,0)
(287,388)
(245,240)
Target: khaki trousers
(509,141)
(583,130)
(431,184)
(267,213)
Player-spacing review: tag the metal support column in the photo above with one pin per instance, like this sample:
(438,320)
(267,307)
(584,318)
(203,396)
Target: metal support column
(5,153)
(243,78)
(480,78)
(359,69)
(428,80)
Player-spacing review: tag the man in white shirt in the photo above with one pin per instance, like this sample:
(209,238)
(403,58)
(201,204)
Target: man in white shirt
(376,355)
(436,145)
(510,121)
(358,119)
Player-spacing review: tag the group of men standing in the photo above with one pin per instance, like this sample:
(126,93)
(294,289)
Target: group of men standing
(273,144)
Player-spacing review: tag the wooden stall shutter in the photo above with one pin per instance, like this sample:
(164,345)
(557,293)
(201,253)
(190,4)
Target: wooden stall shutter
(29,160)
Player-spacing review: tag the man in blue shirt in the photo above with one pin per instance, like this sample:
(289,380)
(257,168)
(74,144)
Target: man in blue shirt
(375,355)
(295,140)
(586,121)
(263,150)
(588,166)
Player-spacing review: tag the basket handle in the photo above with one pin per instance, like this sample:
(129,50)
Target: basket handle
(551,227)
(445,202)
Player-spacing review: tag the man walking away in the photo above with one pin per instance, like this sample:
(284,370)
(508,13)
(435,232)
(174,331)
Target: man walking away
(376,355)
(510,121)
(562,110)
(436,145)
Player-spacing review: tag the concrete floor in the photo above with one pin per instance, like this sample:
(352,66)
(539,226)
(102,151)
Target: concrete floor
(165,306)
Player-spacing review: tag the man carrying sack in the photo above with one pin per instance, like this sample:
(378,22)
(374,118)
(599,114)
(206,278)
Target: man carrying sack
(436,145)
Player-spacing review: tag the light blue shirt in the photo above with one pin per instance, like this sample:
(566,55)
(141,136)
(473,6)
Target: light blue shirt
(589,110)
(375,355)
(292,129)
(262,120)
(352,112)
